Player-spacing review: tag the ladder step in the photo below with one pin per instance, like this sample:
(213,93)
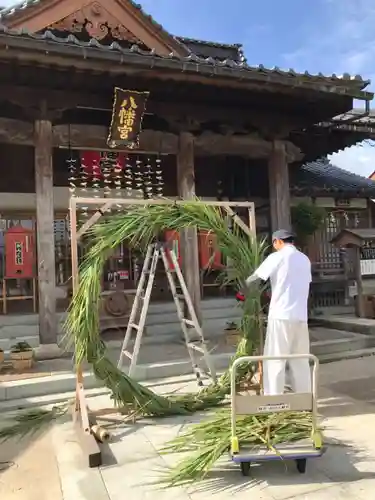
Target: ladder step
(188,322)
(133,325)
(128,354)
(193,335)
(197,348)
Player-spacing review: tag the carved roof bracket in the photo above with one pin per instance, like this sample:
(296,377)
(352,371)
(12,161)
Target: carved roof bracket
(97,22)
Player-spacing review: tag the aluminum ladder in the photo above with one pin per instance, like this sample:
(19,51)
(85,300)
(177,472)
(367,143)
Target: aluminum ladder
(183,303)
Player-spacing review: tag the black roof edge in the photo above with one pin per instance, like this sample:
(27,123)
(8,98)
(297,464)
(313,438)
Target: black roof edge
(193,64)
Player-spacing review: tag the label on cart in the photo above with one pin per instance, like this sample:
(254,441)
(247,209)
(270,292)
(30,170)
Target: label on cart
(273,407)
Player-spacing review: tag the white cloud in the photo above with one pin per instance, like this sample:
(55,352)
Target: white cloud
(358,159)
(343,42)
(346,44)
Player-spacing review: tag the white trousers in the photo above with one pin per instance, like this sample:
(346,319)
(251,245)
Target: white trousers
(286,337)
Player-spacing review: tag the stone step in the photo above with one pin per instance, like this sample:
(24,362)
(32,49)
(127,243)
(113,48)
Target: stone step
(212,330)
(45,401)
(351,342)
(65,382)
(18,326)
(31,320)
(157,334)
(20,396)
(347,323)
(60,387)
(361,353)
(228,313)
(207,304)
(209,326)
(10,406)
(49,400)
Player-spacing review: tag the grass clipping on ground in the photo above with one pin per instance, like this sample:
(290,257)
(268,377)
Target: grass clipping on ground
(207,442)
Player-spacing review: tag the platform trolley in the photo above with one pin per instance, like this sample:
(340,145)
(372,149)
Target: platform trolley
(298,451)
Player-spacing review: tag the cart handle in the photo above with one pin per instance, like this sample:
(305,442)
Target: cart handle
(285,357)
(253,359)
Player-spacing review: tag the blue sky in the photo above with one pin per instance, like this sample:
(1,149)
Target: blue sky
(328,36)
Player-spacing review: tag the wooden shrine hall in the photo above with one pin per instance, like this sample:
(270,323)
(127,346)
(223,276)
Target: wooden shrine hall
(214,126)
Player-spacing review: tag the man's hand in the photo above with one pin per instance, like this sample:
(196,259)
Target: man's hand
(252,280)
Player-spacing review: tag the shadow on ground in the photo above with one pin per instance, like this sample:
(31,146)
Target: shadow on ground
(340,464)
(12,448)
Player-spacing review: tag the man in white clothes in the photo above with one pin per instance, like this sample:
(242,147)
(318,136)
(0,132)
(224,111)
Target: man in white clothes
(289,272)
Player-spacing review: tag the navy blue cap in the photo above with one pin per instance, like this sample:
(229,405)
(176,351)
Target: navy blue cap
(282,234)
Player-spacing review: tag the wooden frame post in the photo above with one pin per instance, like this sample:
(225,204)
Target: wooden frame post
(278,178)
(45,229)
(189,236)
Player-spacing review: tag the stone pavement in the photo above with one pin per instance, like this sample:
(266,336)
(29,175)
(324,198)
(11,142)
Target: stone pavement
(346,471)
(29,471)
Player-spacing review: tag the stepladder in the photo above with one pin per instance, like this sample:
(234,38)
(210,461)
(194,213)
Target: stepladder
(192,331)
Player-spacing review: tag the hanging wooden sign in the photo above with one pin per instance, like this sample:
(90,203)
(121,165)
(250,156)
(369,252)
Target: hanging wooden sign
(127,114)
(367,258)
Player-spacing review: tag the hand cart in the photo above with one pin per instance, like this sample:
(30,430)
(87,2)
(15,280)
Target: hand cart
(242,404)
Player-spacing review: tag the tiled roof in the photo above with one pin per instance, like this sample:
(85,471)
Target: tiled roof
(219,51)
(199,47)
(363,234)
(17,7)
(350,85)
(8,12)
(322,176)
(230,56)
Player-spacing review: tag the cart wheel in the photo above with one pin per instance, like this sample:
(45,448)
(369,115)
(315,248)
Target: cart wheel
(301,465)
(245,468)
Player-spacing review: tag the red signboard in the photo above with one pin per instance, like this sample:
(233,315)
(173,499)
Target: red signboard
(19,253)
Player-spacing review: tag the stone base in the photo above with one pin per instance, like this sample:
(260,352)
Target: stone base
(48,351)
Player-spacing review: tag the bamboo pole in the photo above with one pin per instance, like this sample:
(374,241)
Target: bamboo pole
(80,397)
(137,201)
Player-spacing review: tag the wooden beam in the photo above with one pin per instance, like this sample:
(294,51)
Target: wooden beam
(231,116)
(16,132)
(95,137)
(97,202)
(278,177)
(45,232)
(189,236)
(251,145)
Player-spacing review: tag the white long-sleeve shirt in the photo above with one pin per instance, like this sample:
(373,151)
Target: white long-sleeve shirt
(289,271)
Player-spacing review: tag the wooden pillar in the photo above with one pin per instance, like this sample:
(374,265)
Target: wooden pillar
(278,177)
(45,231)
(189,239)
(358,278)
